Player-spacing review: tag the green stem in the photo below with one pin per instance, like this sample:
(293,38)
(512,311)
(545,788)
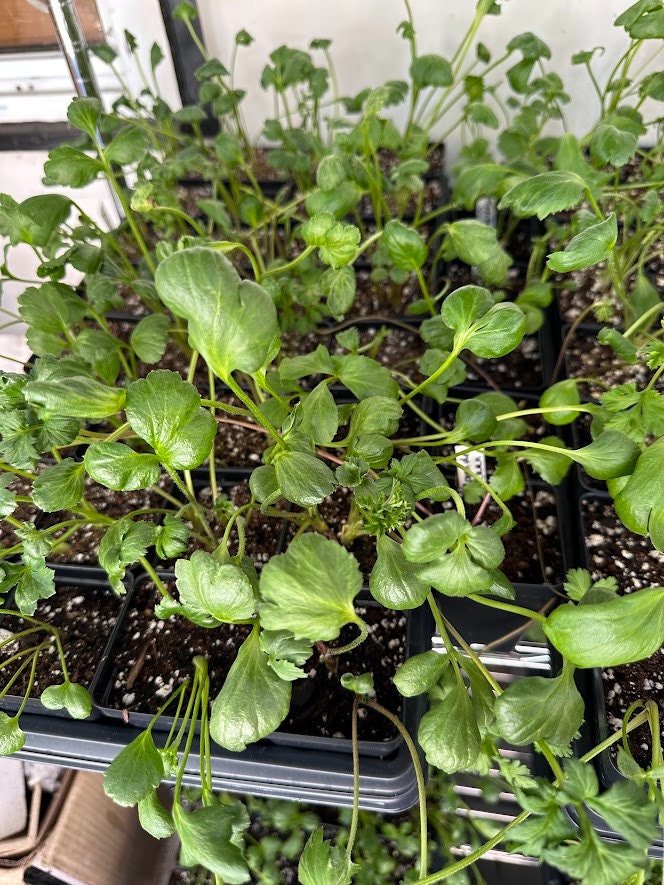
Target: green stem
(508,607)
(447,362)
(356,780)
(421,789)
(253,408)
(291,264)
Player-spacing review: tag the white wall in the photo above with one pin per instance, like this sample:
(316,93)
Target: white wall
(20,176)
(368,51)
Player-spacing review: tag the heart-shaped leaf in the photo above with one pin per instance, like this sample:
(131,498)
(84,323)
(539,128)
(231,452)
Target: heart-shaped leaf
(309,590)
(232,323)
(166,412)
(70,696)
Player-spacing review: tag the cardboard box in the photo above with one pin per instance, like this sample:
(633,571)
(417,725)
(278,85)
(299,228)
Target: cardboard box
(93,841)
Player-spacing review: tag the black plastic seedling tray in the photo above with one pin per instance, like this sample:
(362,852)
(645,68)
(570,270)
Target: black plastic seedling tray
(418,639)
(89,580)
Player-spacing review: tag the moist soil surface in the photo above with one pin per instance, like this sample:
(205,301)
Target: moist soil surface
(85,617)
(153,657)
(613,550)
(587,358)
(263,534)
(83,545)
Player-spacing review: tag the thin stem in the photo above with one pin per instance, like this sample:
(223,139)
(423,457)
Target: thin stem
(508,607)
(421,789)
(356,780)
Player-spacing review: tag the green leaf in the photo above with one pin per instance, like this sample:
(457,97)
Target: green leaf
(618,631)
(365,377)
(552,465)
(70,167)
(59,487)
(640,502)
(339,286)
(499,331)
(285,653)
(420,673)
(128,146)
(340,245)
(431,70)
(150,336)
(331,172)
(469,240)
(610,455)
(448,732)
(41,216)
(118,467)
(12,737)
(208,838)
(653,86)
(171,537)
(592,245)
(538,708)
(35,582)
(473,182)
(253,701)
(465,306)
(166,412)
(318,415)
(595,861)
(71,696)
(395,582)
(303,479)
(321,863)
(362,684)
(219,590)
(154,818)
(426,541)
(79,397)
(406,248)
(84,114)
(135,772)
(51,308)
(231,323)
(457,574)
(375,414)
(310,588)
(613,142)
(123,544)
(544,194)
(563,393)
(628,810)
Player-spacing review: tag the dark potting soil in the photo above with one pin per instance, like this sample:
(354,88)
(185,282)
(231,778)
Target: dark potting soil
(83,545)
(384,297)
(262,533)
(614,551)
(85,617)
(153,657)
(427,200)
(335,510)
(587,358)
(578,290)
(533,548)
(236,445)
(395,347)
